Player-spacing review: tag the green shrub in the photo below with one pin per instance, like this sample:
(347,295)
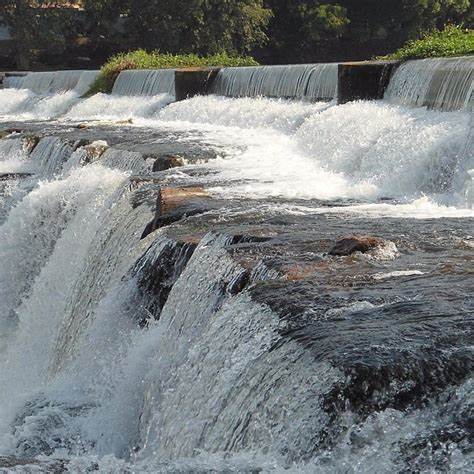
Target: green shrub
(141,59)
(452,41)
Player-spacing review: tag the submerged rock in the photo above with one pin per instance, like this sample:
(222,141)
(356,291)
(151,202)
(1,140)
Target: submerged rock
(356,243)
(8,176)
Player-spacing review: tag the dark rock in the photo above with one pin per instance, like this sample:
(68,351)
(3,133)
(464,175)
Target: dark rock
(166,162)
(8,176)
(156,272)
(356,243)
(13,130)
(239,283)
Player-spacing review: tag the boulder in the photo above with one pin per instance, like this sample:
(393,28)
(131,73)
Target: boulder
(165,162)
(356,243)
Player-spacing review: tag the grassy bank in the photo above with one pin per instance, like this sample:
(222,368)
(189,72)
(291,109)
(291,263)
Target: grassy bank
(143,60)
(452,41)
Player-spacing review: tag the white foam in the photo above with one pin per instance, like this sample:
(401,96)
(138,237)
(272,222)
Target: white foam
(246,113)
(77,200)
(115,107)
(397,274)
(22,104)
(422,208)
(359,150)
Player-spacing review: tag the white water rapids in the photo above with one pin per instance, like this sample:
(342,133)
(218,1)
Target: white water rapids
(210,385)
(297,149)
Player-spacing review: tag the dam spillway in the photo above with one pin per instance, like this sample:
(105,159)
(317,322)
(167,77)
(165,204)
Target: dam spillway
(145,82)
(443,84)
(306,81)
(235,282)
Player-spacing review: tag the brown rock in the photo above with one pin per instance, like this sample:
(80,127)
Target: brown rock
(166,162)
(355,243)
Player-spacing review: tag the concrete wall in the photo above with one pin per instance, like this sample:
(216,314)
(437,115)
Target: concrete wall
(193,81)
(364,80)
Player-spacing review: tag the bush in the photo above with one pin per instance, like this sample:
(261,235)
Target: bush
(141,59)
(452,41)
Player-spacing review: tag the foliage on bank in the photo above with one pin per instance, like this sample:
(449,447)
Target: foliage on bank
(142,59)
(452,41)
(58,35)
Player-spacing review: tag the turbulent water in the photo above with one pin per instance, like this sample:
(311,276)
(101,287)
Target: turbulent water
(168,302)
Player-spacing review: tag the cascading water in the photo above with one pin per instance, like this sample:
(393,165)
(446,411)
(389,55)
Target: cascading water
(305,81)
(443,84)
(44,95)
(169,300)
(136,94)
(145,82)
(43,83)
(14,82)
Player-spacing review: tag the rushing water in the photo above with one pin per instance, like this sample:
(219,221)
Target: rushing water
(44,95)
(306,81)
(445,84)
(144,82)
(191,319)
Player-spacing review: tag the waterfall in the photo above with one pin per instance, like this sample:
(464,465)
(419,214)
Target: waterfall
(52,82)
(136,94)
(45,95)
(444,84)
(305,81)
(194,319)
(14,82)
(85,81)
(50,155)
(145,82)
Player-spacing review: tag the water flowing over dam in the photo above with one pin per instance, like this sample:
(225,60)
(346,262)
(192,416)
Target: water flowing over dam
(56,82)
(443,84)
(255,279)
(143,82)
(306,81)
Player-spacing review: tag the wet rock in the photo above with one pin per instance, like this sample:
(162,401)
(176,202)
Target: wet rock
(8,176)
(30,142)
(356,243)
(156,272)
(166,162)
(95,150)
(9,131)
(174,204)
(239,283)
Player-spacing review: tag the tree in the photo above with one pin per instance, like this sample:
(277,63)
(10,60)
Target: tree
(36,26)
(20,17)
(378,27)
(198,26)
(304,30)
(106,30)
